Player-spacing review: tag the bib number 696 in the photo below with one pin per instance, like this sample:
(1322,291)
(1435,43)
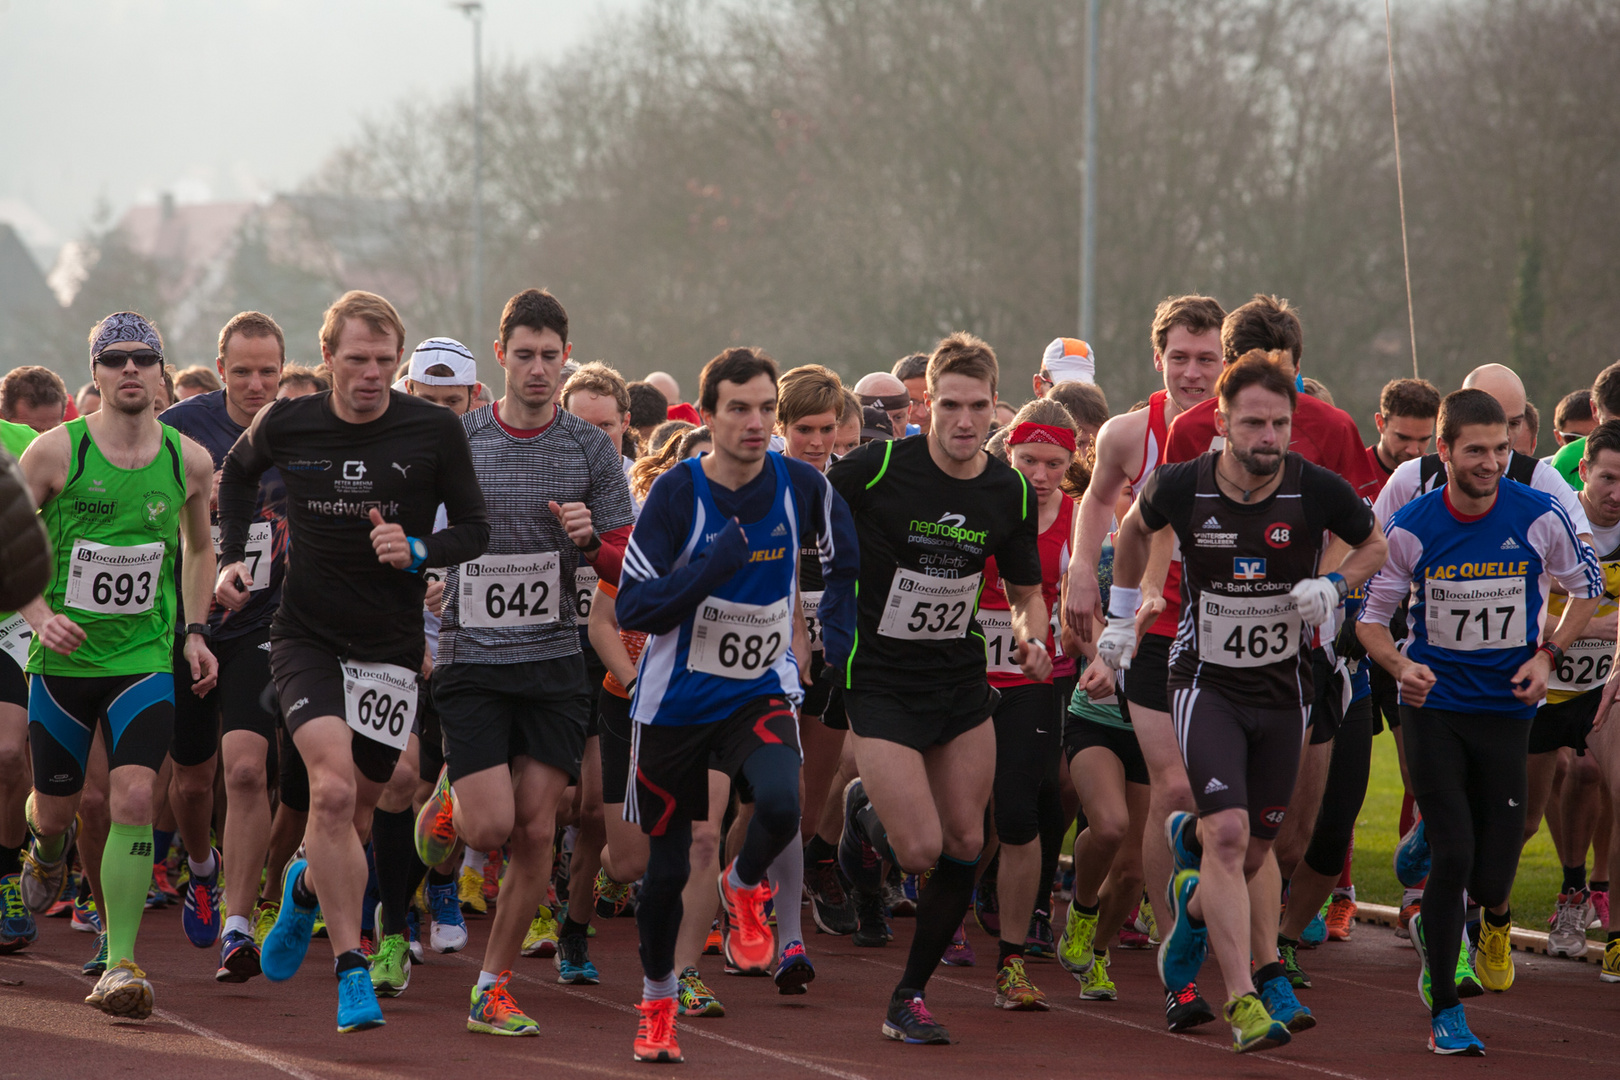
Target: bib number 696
(383,712)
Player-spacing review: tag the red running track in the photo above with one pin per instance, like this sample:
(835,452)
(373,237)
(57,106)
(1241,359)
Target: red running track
(1557,1019)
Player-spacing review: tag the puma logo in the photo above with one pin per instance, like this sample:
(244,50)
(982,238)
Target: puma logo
(402,469)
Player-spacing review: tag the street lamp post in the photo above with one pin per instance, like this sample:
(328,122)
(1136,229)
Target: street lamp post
(1088,184)
(474,10)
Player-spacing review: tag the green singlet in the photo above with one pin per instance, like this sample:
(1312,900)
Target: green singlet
(1568,462)
(115,534)
(16,437)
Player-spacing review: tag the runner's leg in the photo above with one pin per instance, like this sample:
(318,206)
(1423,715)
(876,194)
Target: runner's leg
(536,789)
(336,873)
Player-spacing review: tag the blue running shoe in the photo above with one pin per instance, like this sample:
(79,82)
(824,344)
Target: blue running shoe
(857,858)
(1449,1034)
(1181,956)
(573,961)
(357,1000)
(1316,931)
(17,927)
(238,958)
(288,940)
(794,972)
(1279,1000)
(447,929)
(1412,856)
(200,914)
(1181,833)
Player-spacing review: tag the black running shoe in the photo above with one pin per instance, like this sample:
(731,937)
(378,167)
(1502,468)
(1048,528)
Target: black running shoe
(872,931)
(910,1021)
(1185,1008)
(830,905)
(1288,953)
(857,858)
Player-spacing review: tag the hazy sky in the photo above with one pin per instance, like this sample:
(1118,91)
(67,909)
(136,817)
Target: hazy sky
(223,99)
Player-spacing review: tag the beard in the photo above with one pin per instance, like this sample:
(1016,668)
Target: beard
(1263,463)
(1475,488)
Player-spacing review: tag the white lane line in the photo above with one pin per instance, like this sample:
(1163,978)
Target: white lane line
(1474,1005)
(252,1053)
(685,1028)
(1092,1014)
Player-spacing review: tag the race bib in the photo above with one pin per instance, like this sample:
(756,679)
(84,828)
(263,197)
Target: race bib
(999,642)
(1245,632)
(256,554)
(14,636)
(923,608)
(585,579)
(379,701)
(810,605)
(739,641)
(1584,667)
(1467,616)
(509,591)
(114,580)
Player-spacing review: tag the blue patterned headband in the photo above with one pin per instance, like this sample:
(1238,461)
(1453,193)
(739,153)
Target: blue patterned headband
(124,326)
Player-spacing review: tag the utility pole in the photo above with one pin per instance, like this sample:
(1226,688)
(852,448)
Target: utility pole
(1088,184)
(474,10)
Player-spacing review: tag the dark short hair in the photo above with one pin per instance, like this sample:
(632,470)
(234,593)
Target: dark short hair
(1606,389)
(252,324)
(1264,323)
(914,366)
(1198,314)
(1416,398)
(538,310)
(1605,436)
(1268,370)
(33,386)
(648,405)
(1085,401)
(962,353)
(1462,408)
(740,365)
(1575,405)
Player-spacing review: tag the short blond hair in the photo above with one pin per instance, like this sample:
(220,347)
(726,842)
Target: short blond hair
(963,353)
(597,378)
(808,391)
(378,314)
(197,378)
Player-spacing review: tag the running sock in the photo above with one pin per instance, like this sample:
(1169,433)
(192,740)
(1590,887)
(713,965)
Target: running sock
(1574,879)
(1088,909)
(940,909)
(659,908)
(126,872)
(349,961)
(1493,919)
(473,860)
(202,870)
(239,923)
(819,851)
(659,989)
(1268,972)
(10,860)
(572,929)
(436,878)
(1597,886)
(486,979)
(393,842)
(301,894)
(1008,951)
(786,875)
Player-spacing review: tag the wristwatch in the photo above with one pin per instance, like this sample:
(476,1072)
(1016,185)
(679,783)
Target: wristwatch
(1551,648)
(201,629)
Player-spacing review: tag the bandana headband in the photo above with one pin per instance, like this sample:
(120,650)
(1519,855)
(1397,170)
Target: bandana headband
(124,326)
(1042,433)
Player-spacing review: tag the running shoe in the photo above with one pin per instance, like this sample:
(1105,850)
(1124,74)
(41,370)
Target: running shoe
(1449,1034)
(447,930)
(494,865)
(436,823)
(1181,833)
(1495,966)
(1403,922)
(895,897)
(910,1021)
(1288,956)
(470,890)
(959,953)
(162,892)
(857,858)
(611,897)
(288,940)
(391,966)
(238,958)
(1341,918)
(574,965)
(98,960)
(1182,953)
(1075,947)
(1253,1028)
(1316,930)
(264,917)
(1600,909)
(1186,1008)
(541,940)
(1425,981)
(712,943)
(17,928)
(123,991)
(1412,856)
(1144,920)
(987,905)
(794,972)
(750,943)
(1015,992)
(86,919)
(413,936)
(871,928)
(357,1002)
(1610,971)
(694,998)
(655,1032)
(1038,943)
(493,1012)
(1278,997)
(200,915)
(1095,985)
(43,881)
(1567,938)
(830,904)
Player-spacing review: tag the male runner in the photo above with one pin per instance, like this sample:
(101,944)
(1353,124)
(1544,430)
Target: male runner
(251,352)
(913,371)
(1604,406)
(23,575)
(1250,520)
(121,495)
(1480,554)
(717,683)
(1186,338)
(929,513)
(365,467)
(1573,418)
(510,683)
(1065,360)
(1405,423)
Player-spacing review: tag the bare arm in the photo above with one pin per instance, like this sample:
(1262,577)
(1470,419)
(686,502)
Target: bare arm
(603,628)
(1117,445)
(45,465)
(197,572)
(1030,625)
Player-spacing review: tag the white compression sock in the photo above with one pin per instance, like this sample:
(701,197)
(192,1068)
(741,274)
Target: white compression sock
(786,875)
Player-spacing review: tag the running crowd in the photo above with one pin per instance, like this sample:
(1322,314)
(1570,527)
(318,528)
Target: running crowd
(358,650)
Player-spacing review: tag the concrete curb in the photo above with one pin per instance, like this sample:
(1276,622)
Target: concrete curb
(1526,940)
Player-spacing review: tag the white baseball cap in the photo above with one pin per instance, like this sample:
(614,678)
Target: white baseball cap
(449,352)
(1070,358)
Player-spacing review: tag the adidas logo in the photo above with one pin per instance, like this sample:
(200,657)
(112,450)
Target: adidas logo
(1213,786)
(1212,523)
(780,530)
(1510,544)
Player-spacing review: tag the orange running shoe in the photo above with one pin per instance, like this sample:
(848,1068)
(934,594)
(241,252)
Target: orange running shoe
(711,945)
(436,823)
(750,944)
(655,1032)
(1341,918)
(494,863)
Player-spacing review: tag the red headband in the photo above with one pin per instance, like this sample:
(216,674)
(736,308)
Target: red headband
(1042,433)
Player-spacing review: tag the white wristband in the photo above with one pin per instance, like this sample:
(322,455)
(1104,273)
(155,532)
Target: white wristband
(1123,602)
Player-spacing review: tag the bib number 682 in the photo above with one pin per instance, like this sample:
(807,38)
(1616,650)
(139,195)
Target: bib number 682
(383,712)
(750,653)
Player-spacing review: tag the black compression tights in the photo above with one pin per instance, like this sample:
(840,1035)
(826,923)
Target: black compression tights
(399,871)
(772,773)
(1345,791)
(658,910)
(1469,778)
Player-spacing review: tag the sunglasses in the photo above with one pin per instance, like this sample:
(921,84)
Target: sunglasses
(118,358)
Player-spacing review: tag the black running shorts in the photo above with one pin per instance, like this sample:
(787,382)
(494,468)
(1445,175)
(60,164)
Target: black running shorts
(1146,682)
(13,682)
(1567,723)
(1081,733)
(236,703)
(1239,757)
(309,681)
(672,761)
(135,714)
(493,713)
(920,719)
(614,729)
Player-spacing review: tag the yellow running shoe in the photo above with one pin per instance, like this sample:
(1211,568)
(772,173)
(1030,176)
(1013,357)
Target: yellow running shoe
(541,940)
(264,919)
(123,991)
(1074,948)
(1494,964)
(1014,990)
(470,891)
(1095,985)
(1610,972)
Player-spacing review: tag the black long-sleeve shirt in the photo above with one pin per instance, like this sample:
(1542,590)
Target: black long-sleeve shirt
(404,464)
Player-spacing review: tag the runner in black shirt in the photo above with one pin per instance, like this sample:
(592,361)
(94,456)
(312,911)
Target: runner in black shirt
(1250,521)
(929,511)
(365,468)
